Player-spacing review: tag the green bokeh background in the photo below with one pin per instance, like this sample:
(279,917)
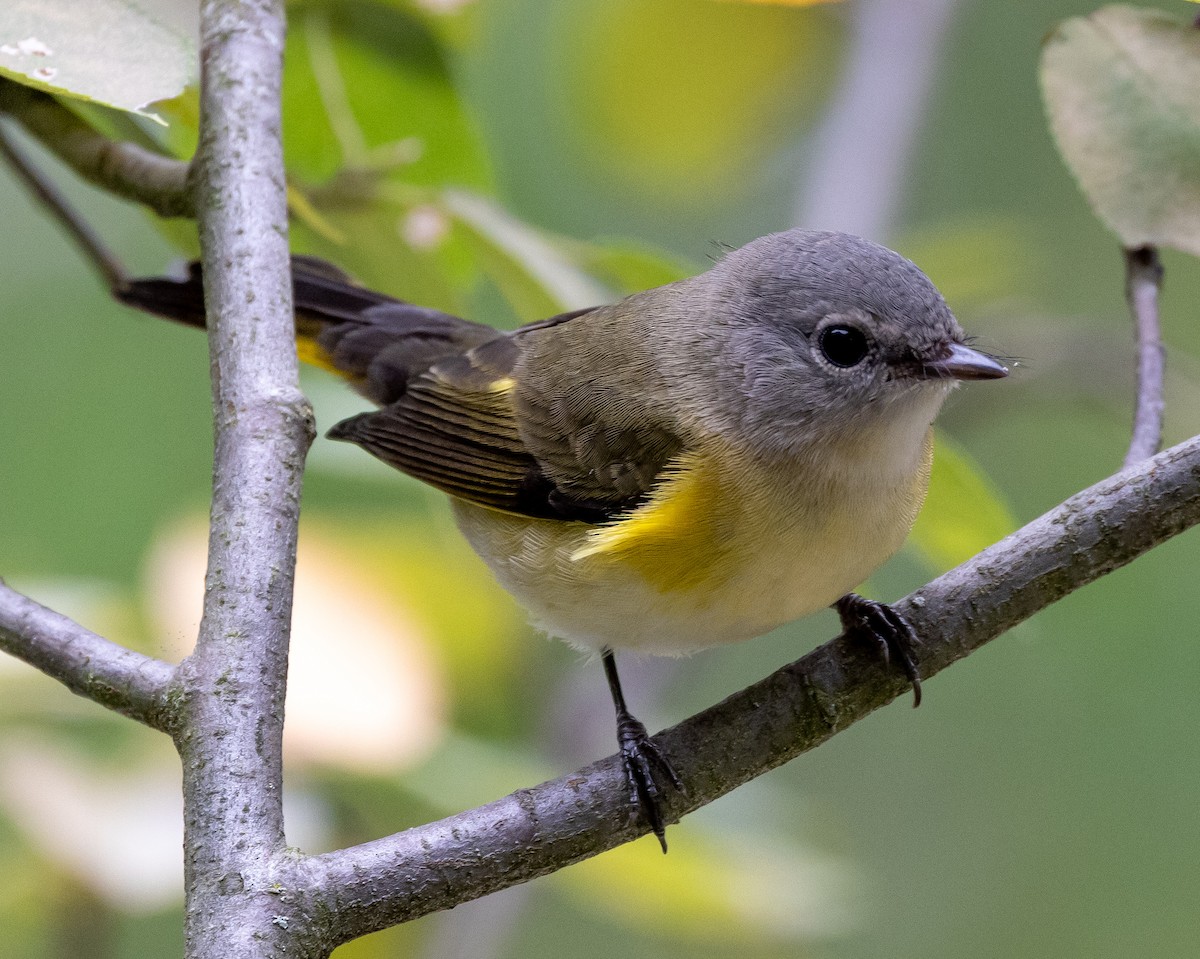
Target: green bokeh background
(1041,803)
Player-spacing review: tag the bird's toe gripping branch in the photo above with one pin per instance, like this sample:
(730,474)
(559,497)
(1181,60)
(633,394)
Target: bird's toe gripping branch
(894,635)
(642,759)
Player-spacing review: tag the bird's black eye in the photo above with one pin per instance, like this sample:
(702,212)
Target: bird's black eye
(843,345)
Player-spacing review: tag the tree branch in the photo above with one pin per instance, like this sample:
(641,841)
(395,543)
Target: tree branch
(89,665)
(1143,280)
(123,168)
(536,831)
(233,685)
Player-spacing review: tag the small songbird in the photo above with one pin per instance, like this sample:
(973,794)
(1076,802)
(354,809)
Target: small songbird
(693,465)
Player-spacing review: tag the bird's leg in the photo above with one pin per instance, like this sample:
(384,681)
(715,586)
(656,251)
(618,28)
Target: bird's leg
(640,755)
(893,633)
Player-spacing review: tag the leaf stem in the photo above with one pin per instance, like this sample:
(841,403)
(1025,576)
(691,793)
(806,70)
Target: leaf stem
(1143,281)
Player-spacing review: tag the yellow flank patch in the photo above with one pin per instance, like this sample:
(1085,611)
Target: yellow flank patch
(506,384)
(311,353)
(675,540)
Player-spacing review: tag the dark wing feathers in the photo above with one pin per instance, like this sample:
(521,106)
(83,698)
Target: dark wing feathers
(457,410)
(465,427)
(454,428)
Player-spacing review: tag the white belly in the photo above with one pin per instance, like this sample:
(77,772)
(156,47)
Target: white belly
(742,566)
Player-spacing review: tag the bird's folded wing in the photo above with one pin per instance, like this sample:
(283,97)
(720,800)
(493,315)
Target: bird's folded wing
(462,427)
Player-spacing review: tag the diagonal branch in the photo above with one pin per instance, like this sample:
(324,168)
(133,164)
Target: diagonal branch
(1143,280)
(91,666)
(536,831)
(122,168)
(88,240)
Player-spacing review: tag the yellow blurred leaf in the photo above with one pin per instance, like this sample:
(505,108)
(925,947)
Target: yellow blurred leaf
(675,96)
(736,891)
(365,686)
(975,260)
(799,3)
(964,513)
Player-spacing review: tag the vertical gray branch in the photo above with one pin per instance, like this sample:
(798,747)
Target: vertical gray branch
(863,148)
(1143,280)
(232,687)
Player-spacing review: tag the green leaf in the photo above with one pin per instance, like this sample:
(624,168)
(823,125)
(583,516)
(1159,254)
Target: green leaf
(1121,91)
(113,52)
(542,273)
(454,21)
(964,513)
(374,127)
(369,88)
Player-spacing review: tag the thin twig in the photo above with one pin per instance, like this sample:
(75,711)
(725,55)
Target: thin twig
(1143,281)
(536,831)
(130,683)
(126,169)
(94,249)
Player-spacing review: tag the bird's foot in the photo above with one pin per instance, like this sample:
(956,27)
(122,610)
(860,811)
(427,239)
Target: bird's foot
(642,759)
(896,638)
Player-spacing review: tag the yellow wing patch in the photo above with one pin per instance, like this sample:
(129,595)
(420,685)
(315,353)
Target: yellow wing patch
(678,540)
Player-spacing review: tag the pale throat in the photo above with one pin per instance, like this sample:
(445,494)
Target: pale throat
(891,444)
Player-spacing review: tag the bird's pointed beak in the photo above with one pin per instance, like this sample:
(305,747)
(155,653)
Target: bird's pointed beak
(963,363)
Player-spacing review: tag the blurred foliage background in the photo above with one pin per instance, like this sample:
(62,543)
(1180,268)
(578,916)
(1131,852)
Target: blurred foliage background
(509,158)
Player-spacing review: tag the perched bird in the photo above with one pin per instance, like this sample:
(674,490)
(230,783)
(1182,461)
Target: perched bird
(693,465)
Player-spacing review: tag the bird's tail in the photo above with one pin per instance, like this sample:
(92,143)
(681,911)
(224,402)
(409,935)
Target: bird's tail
(373,340)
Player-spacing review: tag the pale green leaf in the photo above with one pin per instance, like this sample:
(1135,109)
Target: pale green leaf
(533,272)
(114,52)
(1121,89)
(627,268)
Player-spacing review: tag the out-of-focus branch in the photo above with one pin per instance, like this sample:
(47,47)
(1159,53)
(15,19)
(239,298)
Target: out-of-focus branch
(126,169)
(231,690)
(536,831)
(97,669)
(863,147)
(1143,280)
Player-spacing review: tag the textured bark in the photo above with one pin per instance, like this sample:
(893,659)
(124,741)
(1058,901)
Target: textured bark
(231,689)
(91,666)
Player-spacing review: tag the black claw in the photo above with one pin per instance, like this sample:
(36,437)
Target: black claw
(896,638)
(641,758)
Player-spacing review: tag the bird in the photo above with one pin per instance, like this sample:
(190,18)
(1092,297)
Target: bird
(693,465)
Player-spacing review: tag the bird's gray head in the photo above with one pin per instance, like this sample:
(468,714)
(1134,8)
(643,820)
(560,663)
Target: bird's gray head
(832,332)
